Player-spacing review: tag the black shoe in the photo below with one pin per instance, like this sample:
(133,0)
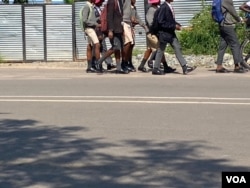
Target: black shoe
(99,68)
(131,68)
(110,66)
(240,70)
(150,64)
(222,70)
(161,66)
(91,70)
(142,69)
(122,71)
(157,72)
(245,65)
(187,69)
(169,70)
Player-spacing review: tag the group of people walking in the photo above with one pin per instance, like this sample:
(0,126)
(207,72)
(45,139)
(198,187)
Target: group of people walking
(122,17)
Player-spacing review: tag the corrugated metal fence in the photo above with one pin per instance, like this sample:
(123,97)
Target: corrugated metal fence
(46,32)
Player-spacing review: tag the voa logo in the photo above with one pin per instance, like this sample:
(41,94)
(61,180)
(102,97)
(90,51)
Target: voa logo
(236,179)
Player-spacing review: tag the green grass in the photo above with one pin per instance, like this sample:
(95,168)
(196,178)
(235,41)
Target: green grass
(1,59)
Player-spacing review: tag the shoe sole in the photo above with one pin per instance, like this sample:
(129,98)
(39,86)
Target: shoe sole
(185,73)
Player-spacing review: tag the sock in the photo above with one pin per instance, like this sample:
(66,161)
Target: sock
(89,64)
(118,66)
(143,62)
(165,65)
(93,62)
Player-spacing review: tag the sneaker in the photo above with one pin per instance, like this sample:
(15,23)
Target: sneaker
(240,70)
(221,70)
(245,65)
(142,69)
(122,71)
(157,72)
(124,65)
(131,67)
(99,68)
(110,66)
(150,64)
(169,70)
(187,69)
(91,70)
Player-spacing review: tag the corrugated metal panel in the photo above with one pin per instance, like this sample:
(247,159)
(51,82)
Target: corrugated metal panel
(81,39)
(59,29)
(11,32)
(140,35)
(34,34)
(59,32)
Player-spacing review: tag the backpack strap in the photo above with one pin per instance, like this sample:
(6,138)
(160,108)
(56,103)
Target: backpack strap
(83,26)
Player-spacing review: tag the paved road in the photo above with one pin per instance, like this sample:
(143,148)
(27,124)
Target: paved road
(63,128)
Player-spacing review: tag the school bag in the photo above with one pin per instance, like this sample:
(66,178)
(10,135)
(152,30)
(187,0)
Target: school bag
(216,12)
(155,26)
(104,19)
(83,25)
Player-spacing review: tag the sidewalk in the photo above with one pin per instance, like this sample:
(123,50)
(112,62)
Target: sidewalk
(49,65)
(206,61)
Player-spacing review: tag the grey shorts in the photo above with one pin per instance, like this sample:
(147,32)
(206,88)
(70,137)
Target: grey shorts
(117,42)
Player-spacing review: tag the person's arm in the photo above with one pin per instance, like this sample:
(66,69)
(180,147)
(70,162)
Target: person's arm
(85,14)
(150,16)
(165,19)
(229,6)
(244,7)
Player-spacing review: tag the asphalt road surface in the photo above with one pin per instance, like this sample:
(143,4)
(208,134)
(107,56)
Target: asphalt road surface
(64,128)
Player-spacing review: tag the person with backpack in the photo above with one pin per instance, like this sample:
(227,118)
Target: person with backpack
(228,35)
(152,41)
(89,22)
(115,33)
(167,25)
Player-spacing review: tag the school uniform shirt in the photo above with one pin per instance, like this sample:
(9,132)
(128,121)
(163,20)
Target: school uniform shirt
(89,20)
(127,11)
(134,15)
(230,14)
(166,20)
(150,15)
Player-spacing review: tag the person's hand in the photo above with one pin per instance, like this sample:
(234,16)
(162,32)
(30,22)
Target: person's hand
(242,20)
(178,27)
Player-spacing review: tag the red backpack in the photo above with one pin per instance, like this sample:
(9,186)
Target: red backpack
(104,19)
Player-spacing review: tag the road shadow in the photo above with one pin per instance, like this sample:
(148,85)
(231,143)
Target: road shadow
(52,157)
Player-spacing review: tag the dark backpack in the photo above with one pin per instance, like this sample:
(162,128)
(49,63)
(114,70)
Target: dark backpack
(155,26)
(216,11)
(104,19)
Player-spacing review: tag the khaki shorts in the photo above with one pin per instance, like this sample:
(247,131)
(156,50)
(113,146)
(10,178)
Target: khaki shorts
(92,37)
(152,41)
(128,34)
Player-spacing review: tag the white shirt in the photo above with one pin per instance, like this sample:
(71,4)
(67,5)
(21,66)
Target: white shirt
(170,6)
